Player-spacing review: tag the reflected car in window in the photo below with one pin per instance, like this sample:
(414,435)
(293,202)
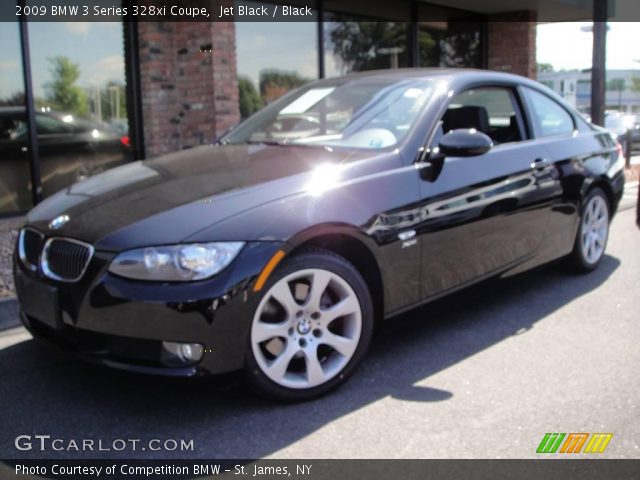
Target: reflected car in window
(619,124)
(70,149)
(276,250)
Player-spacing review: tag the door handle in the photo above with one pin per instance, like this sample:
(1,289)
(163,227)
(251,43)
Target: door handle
(540,163)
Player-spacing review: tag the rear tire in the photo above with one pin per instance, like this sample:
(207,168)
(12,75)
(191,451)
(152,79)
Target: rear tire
(593,232)
(311,329)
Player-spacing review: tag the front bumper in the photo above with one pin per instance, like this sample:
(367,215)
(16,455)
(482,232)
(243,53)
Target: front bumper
(122,323)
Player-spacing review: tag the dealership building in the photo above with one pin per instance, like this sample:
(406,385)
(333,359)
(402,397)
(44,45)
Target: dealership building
(622,93)
(101,94)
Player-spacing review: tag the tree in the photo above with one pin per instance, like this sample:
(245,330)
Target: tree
(363,46)
(544,68)
(275,83)
(635,84)
(356,44)
(459,47)
(15,99)
(250,100)
(62,91)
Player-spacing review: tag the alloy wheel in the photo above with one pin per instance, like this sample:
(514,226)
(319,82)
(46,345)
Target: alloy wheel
(306,328)
(595,229)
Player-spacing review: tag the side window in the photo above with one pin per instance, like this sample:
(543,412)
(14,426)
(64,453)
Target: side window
(11,126)
(490,110)
(548,116)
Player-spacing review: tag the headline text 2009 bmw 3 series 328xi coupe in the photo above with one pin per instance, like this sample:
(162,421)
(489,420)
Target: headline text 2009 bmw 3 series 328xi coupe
(347,201)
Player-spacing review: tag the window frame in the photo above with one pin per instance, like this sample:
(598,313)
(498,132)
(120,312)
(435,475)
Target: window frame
(533,118)
(522,118)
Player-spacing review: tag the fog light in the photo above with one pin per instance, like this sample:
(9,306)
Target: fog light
(181,354)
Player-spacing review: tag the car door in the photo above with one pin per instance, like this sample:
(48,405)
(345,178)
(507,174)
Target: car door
(578,153)
(484,213)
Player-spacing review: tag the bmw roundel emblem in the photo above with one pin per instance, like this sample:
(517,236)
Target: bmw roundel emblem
(58,222)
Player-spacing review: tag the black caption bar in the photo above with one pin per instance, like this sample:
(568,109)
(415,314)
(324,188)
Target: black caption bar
(321,469)
(158,11)
(305,10)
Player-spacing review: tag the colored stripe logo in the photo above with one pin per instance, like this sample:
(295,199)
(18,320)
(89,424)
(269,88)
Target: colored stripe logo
(598,442)
(574,442)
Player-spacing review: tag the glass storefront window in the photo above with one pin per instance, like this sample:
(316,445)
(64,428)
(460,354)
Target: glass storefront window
(273,58)
(15,183)
(355,44)
(449,38)
(450,44)
(446,38)
(80,99)
(79,84)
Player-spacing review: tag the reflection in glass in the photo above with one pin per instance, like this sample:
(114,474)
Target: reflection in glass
(355,44)
(15,184)
(80,99)
(367,112)
(272,59)
(453,44)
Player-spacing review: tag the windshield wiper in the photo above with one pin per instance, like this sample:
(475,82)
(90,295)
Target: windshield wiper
(267,142)
(285,143)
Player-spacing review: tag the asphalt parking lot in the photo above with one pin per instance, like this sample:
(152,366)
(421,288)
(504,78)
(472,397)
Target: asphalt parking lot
(481,374)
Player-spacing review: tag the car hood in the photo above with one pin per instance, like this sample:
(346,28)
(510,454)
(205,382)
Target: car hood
(168,199)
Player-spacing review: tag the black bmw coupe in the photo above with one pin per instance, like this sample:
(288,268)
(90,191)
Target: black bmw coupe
(278,248)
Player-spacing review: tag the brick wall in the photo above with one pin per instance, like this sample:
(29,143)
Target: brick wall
(512,43)
(189,83)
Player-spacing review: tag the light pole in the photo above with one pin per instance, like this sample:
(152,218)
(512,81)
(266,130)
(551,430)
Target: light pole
(114,98)
(599,60)
(98,103)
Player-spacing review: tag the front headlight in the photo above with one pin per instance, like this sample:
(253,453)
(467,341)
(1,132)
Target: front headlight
(175,263)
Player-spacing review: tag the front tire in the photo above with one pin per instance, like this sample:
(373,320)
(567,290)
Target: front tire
(311,328)
(593,232)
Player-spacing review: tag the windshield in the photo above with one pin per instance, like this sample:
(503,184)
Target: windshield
(368,113)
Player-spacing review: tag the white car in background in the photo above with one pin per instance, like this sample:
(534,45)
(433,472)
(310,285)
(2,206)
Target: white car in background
(619,123)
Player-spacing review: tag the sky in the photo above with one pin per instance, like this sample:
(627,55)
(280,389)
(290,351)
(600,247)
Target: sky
(566,46)
(290,46)
(96,47)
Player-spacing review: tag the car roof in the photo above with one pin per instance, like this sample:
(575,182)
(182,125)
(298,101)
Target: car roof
(19,109)
(12,109)
(447,74)
(22,110)
(457,78)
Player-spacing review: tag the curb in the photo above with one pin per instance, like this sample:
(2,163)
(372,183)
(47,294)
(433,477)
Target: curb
(9,317)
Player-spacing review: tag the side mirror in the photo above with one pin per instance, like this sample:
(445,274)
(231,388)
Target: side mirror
(464,142)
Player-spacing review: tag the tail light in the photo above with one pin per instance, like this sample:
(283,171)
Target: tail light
(124,141)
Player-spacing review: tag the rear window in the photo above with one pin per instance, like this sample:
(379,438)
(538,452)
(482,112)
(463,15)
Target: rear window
(548,116)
